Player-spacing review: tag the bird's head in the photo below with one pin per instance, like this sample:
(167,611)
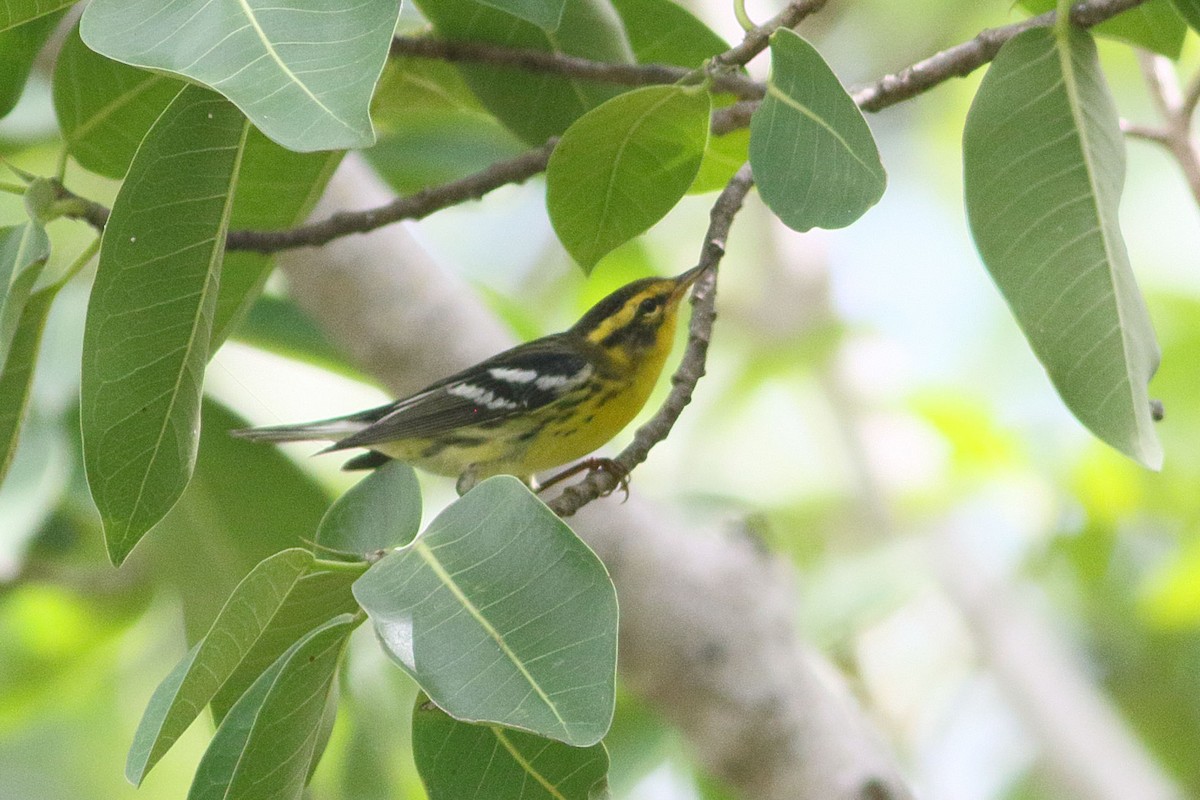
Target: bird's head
(638,318)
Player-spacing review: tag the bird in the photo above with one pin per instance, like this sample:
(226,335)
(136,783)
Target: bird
(534,407)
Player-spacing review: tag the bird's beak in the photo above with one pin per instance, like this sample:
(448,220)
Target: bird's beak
(684,281)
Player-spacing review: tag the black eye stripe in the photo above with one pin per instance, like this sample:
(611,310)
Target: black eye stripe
(650,305)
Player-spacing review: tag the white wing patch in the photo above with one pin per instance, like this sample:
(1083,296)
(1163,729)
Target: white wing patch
(480,396)
(549,382)
(513,375)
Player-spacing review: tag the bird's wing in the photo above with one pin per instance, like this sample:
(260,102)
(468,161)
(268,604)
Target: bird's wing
(510,384)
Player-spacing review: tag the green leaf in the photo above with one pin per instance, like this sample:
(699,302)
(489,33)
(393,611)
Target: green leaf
(456,760)
(501,614)
(18,48)
(302,71)
(814,159)
(1190,11)
(316,598)
(105,107)
(546,14)
(250,610)
(16,375)
(724,156)
(24,250)
(1044,163)
(146,339)
(1153,25)
(663,32)
(380,512)
(18,12)
(432,129)
(621,167)
(534,106)
(265,746)
(277,188)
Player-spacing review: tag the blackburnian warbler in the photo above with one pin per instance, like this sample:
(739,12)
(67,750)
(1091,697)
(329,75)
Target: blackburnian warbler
(529,409)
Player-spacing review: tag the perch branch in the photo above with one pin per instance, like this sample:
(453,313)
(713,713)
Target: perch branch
(691,367)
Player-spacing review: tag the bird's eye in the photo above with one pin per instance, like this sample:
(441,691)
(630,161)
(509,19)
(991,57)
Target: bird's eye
(650,305)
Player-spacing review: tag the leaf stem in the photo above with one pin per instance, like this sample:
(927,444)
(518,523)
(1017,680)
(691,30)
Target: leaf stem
(81,261)
(739,11)
(341,566)
(1062,20)
(12,188)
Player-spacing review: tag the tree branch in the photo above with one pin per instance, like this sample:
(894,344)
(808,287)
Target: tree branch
(691,367)
(756,40)
(969,56)
(568,65)
(888,91)
(416,206)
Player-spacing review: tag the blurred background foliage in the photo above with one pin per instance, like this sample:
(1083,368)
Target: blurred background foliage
(871,411)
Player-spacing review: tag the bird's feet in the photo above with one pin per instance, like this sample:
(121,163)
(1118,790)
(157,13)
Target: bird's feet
(589,465)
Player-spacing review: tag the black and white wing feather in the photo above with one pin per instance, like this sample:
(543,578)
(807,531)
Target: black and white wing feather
(512,383)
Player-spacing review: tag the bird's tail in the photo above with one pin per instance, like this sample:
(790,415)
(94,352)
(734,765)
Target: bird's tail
(327,430)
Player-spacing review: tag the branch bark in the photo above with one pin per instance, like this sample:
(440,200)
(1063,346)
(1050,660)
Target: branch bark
(707,619)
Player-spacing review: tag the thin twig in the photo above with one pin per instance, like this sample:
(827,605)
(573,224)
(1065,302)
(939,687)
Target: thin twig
(416,206)
(569,65)
(1176,108)
(1191,98)
(691,366)
(1136,130)
(756,40)
(969,56)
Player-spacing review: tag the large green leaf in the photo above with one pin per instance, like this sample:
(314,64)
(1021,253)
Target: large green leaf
(18,47)
(269,611)
(16,375)
(501,614)
(302,70)
(432,128)
(105,107)
(814,159)
(1190,11)
(546,14)
(380,512)
(1153,25)
(317,597)
(535,106)
(457,759)
(24,250)
(18,12)
(146,338)
(622,166)
(277,188)
(1044,163)
(663,32)
(265,746)
(191,685)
